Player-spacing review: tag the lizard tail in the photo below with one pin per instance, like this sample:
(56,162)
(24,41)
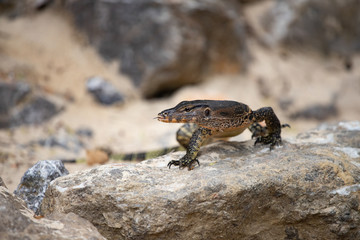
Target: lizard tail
(102,155)
(140,156)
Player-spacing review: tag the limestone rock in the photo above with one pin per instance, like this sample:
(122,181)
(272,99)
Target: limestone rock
(18,222)
(307,189)
(320,25)
(164,44)
(37,179)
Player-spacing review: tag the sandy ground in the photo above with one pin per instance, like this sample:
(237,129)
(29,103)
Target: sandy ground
(49,53)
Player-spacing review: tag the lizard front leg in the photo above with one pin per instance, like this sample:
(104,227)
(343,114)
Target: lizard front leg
(270,134)
(184,134)
(196,140)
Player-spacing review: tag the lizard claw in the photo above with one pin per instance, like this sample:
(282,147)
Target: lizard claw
(173,162)
(182,163)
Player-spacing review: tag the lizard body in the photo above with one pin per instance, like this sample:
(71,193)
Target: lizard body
(207,119)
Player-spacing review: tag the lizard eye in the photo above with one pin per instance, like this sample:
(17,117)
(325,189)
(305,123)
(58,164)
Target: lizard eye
(187,109)
(207,112)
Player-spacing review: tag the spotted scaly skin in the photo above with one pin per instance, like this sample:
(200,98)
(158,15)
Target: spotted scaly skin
(208,119)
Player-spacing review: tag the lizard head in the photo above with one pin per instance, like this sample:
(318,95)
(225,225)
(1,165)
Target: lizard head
(186,112)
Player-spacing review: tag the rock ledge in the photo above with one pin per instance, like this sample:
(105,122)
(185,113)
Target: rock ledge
(306,189)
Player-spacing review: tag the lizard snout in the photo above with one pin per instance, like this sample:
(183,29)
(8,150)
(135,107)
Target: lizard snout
(163,116)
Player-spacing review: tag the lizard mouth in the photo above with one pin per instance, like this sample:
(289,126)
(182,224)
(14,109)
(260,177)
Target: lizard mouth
(161,118)
(165,118)
(168,118)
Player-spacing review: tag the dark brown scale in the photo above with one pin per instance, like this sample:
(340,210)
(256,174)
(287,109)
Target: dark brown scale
(207,119)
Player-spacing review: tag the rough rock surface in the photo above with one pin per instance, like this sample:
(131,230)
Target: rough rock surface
(37,179)
(163,44)
(328,26)
(18,222)
(307,189)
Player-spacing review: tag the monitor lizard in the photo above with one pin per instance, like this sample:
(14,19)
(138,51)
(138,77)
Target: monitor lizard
(207,119)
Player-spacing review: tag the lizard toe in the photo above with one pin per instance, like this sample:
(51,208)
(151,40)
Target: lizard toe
(173,162)
(191,166)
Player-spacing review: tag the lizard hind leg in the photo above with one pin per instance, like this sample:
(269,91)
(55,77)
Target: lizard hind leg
(271,134)
(257,130)
(261,131)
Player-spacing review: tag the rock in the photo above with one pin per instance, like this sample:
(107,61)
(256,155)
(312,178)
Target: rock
(37,179)
(62,138)
(11,94)
(103,91)
(19,105)
(306,189)
(2,184)
(319,112)
(320,25)
(36,111)
(97,156)
(18,222)
(163,44)
(69,143)
(84,132)
(16,8)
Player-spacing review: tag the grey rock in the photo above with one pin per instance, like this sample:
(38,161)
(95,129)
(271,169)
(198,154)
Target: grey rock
(103,91)
(18,222)
(306,189)
(36,111)
(84,132)
(320,25)
(163,44)
(19,105)
(320,112)
(67,143)
(10,95)
(64,140)
(37,179)
(17,8)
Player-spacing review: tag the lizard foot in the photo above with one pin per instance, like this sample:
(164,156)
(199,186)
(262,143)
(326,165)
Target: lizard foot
(273,140)
(259,131)
(184,162)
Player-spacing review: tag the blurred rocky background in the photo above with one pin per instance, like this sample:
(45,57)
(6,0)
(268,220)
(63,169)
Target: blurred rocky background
(79,75)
